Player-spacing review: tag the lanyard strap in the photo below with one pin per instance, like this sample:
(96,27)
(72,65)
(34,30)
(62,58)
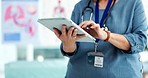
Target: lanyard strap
(105,14)
(97,12)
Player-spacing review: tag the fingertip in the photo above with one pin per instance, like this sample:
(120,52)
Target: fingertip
(85,35)
(72,27)
(55,31)
(82,27)
(54,28)
(64,26)
(91,27)
(75,29)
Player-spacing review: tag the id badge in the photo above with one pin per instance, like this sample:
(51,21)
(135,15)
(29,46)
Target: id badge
(95,59)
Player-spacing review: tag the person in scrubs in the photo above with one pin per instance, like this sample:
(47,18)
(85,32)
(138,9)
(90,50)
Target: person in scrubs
(118,46)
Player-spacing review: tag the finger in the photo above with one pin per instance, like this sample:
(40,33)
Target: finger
(88,24)
(64,29)
(75,33)
(80,25)
(57,32)
(79,36)
(95,26)
(70,31)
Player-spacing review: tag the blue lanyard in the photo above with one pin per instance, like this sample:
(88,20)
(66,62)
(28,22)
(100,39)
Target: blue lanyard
(105,14)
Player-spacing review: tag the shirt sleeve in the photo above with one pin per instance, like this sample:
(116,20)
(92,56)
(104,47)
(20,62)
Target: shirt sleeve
(69,54)
(75,15)
(138,37)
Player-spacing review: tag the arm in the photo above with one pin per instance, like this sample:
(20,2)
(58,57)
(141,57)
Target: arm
(116,39)
(132,42)
(138,36)
(119,41)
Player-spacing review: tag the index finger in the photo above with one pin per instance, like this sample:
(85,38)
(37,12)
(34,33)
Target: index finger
(64,29)
(80,25)
(87,24)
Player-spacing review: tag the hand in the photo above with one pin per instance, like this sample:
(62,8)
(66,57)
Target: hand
(68,37)
(94,29)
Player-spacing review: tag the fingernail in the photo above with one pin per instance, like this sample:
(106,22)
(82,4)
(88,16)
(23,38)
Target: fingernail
(63,24)
(72,28)
(75,29)
(91,27)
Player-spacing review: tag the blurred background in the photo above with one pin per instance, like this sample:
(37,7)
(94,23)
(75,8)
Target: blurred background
(28,49)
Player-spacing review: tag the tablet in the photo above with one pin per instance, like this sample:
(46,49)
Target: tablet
(50,23)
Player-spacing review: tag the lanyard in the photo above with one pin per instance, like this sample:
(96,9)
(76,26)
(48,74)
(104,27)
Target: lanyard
(105,14)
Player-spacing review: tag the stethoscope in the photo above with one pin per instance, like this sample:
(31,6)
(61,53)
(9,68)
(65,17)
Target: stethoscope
(105,15)
(91,11)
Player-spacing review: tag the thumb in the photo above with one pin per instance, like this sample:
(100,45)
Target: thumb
(57,32)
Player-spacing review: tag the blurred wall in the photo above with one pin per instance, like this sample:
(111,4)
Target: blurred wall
(47,37)
(8,52)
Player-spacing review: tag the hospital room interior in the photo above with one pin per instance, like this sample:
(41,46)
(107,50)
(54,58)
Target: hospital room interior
(30,50)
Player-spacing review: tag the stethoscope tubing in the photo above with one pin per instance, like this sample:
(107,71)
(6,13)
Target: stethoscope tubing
(92,11)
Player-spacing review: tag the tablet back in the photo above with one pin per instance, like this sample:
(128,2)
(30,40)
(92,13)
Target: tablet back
(58,22)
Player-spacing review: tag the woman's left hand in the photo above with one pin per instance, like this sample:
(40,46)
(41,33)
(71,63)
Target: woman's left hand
(94,29)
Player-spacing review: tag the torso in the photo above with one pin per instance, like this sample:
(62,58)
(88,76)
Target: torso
(117,64)
(102,3)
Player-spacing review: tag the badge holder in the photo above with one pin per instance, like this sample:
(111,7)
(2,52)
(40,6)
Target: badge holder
(95,58)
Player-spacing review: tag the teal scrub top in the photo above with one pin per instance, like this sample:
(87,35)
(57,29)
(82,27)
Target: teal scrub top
(127,18)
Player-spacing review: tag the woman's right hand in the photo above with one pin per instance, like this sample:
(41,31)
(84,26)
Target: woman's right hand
(68,37)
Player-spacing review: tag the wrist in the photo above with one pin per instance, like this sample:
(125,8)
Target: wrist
(69,48)
(108,36)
